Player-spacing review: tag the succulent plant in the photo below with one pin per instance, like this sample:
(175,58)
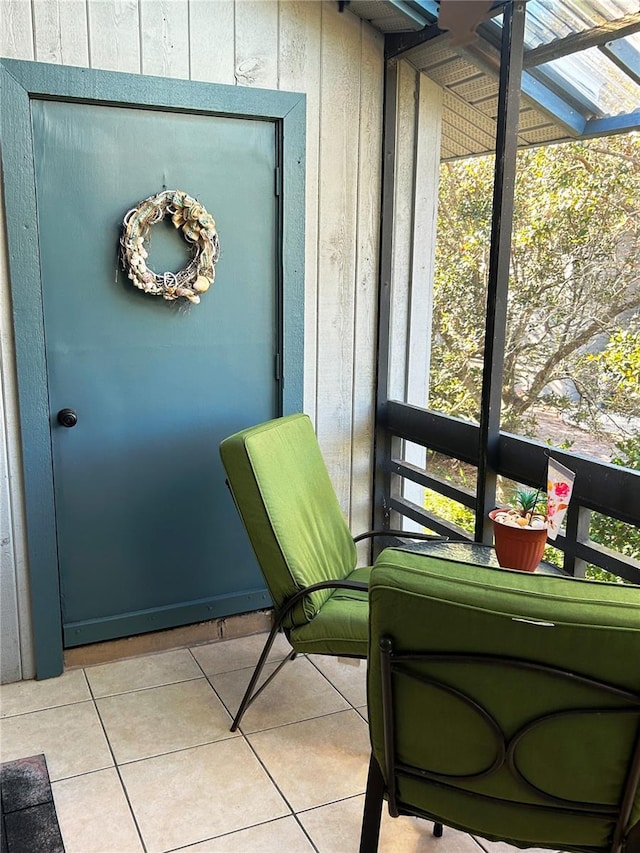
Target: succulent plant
(527,500)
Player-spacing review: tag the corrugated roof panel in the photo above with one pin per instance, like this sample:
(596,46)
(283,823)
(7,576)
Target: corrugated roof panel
(549,20)
(600,84)
(582,58)
(625,53)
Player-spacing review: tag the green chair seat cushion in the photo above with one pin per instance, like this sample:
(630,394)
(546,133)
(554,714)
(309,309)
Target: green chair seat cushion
(342,625)
(432,605)
(360,575)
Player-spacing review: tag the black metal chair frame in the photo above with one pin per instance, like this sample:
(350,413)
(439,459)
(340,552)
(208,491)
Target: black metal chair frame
(249,695)
(281,615)
(392,663)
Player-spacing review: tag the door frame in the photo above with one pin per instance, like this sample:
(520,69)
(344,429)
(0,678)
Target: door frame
(24,81)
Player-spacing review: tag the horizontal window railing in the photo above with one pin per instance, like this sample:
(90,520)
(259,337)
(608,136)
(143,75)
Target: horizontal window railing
(610,490)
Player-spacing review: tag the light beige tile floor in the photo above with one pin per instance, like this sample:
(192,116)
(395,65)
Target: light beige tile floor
(141,757)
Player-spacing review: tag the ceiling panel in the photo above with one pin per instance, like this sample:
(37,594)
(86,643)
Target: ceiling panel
(582,70)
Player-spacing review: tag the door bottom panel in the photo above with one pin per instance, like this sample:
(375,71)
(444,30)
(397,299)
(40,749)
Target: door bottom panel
(159,618)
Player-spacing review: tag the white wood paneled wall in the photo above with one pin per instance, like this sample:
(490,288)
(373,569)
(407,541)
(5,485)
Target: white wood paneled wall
(418,134)
(297,45)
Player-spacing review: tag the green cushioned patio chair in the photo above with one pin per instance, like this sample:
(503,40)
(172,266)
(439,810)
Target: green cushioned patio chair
(307,555)
(504,704)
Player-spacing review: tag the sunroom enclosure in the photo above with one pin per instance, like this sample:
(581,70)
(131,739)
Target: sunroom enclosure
(408,432)
(339,54)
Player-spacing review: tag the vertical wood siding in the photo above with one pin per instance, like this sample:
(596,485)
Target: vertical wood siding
(365,326)
(412,231)
(114,35)
(297,45)
(15,632)
(407,93)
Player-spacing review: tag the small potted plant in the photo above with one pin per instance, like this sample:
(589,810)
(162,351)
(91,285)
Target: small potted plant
(520,534)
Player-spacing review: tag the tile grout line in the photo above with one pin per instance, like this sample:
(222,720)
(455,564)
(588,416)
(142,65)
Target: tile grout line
(277,787)
(115,764)
(231,736)
(335,687)
(246,735)
(257,757)
(42,710)
(478,846)
(93,699)
(47,708)
(305,720)
(218,696)
(279,725)
(231,833)
(150,687)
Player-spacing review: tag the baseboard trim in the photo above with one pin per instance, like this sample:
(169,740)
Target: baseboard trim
(215,630)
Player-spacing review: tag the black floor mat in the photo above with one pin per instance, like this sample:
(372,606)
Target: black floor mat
(29,821)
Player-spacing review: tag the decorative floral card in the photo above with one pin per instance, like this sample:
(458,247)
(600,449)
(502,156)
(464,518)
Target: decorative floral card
(559,489)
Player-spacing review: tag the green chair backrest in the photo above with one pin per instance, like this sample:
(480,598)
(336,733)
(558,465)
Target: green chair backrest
(290,510)
(490,696)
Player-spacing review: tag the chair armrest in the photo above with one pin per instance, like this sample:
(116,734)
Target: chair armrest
(401,534)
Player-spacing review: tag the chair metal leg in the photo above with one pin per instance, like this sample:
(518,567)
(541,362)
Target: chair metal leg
(372,809)
(249,695)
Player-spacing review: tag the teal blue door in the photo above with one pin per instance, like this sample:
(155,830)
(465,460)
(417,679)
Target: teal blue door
(147,534)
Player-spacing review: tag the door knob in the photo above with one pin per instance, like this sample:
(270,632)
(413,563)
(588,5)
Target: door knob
(67,418)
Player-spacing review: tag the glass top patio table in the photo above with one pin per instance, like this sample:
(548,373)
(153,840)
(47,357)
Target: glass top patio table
(469,552)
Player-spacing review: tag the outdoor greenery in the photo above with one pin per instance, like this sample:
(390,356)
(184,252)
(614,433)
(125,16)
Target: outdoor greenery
(573,333)
(573,336)
(616,534)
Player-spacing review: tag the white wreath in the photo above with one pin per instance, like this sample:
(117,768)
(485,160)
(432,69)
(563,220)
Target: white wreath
(199,229)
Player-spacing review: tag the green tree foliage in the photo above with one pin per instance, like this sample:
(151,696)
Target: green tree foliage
(573,305)
(619,370)
(617,535)
(574,283)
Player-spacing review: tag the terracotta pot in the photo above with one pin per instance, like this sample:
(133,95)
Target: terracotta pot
(516,547)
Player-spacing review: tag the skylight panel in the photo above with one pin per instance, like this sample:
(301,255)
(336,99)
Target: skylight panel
(596,81)
(550,20)
(625,53)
